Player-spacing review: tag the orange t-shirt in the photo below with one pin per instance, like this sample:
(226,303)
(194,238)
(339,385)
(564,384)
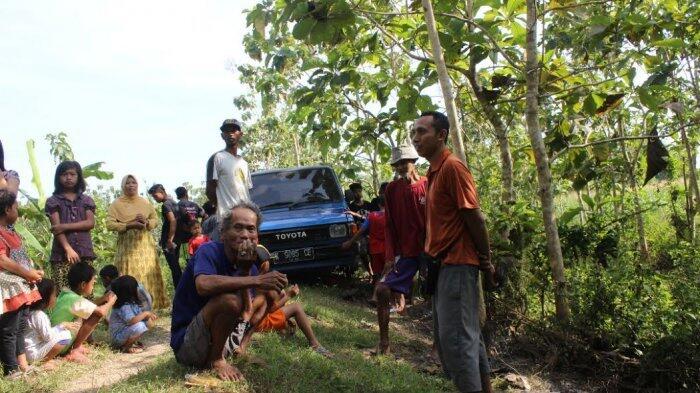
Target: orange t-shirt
(450,188)
(272,321)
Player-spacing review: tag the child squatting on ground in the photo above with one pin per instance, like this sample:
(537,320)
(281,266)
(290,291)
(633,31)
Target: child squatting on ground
(128,321)
(17,288)
(44,342)
(72,306)
(109,273)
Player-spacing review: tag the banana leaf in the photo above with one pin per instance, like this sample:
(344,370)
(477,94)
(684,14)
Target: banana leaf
(33,244)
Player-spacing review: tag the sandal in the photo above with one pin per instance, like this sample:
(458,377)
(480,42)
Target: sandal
(132,349)
(14,376)
(323,352)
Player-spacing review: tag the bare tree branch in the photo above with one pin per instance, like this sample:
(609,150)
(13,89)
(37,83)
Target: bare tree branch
(574,5)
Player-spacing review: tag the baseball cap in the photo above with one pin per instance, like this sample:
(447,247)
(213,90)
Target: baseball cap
(230,123)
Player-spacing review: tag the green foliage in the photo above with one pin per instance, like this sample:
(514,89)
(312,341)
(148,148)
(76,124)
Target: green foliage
(339,81)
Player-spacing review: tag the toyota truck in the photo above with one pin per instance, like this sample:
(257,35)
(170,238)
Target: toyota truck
(304,220)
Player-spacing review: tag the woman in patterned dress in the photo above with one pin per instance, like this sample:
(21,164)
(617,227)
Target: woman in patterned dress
(133,217)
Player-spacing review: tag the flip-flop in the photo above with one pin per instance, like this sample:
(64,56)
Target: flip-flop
(132,350)
(205,381)
(323,352)
(14,376)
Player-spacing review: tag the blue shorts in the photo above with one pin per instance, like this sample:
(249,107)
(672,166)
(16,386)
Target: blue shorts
(400,278)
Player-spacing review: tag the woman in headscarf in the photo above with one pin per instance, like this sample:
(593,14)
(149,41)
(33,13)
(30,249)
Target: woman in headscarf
(133,217)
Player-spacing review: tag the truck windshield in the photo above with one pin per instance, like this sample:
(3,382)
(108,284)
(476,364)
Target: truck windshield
(289,188)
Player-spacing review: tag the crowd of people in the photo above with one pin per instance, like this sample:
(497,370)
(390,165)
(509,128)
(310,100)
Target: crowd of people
(227,291)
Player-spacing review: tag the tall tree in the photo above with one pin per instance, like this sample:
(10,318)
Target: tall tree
(445,82)
(544,174)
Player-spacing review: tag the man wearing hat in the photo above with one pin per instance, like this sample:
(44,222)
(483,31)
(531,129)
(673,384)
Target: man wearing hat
(404,236)
(228,178)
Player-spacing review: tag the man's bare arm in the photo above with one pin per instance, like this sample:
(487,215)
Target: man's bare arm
(211,285)
(476,227)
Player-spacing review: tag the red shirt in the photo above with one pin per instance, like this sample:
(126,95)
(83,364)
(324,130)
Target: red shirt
(405,218)
(451,188)
(12,239)
(195,242)
(377,224)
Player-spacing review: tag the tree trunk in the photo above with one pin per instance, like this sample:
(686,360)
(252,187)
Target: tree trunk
(507,188)
(641,233)
(297,154)
(445,82)
(582,213)
(544,175)
(689,208)
(616,203)
(375,170)
(693,172)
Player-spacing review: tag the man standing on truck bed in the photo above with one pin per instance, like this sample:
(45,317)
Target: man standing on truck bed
(228,177)
(404,209)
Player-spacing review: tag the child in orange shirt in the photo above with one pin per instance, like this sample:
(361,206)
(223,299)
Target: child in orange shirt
(279,314)
(276,316)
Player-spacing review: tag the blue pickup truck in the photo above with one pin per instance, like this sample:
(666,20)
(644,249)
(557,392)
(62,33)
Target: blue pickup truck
(304,219)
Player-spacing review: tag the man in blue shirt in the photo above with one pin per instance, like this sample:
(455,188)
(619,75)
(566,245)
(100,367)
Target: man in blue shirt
(207,308)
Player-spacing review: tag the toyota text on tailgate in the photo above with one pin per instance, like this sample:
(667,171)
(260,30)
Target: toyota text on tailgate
(304,219)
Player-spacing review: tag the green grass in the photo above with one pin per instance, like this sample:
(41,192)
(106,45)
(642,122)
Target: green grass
(290,366)
(51,381)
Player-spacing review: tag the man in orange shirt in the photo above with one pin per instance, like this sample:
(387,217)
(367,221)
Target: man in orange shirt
(456,235)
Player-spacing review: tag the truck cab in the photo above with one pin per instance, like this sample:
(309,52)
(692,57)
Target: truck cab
(304,219)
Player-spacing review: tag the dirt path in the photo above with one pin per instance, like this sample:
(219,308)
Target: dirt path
(121,366)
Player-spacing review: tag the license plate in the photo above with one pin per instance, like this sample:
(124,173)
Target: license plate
(296,255)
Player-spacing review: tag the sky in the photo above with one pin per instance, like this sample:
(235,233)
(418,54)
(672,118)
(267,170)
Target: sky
(141,85)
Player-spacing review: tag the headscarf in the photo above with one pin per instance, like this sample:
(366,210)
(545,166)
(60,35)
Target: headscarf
(125,208)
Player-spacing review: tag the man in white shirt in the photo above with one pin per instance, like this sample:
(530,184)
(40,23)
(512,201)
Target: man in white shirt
(228,177)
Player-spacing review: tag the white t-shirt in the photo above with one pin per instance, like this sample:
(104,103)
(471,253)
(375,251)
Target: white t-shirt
(233,181)
(40,337)
(83,308)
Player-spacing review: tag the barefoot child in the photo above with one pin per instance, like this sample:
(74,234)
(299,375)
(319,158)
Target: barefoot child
(71,306)
(72,216)
(128,322)
(266,311)
(280,313)
(42,341)
(17,289)
(109,273)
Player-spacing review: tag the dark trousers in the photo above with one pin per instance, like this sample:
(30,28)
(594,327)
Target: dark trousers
(12,327)
(457,333)
(173,259)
